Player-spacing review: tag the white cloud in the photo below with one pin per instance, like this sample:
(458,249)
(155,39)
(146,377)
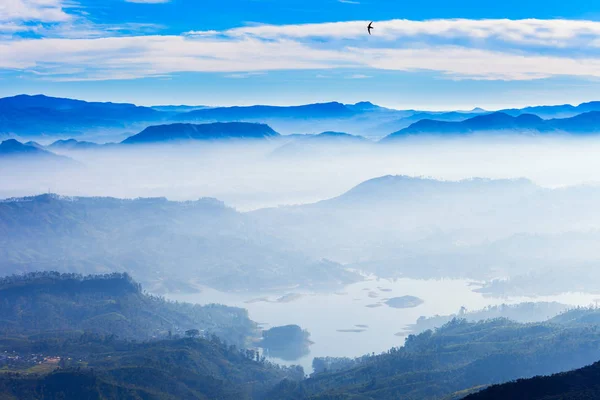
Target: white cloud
(358,76)
(527,31)
(33,10)
(458,49)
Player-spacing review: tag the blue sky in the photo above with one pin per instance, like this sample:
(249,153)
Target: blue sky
(438,55)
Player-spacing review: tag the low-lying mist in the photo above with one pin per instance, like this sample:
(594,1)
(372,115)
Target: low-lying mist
(411,208)
(286,171)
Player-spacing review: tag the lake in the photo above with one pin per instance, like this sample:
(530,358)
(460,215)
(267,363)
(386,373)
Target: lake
(355,320)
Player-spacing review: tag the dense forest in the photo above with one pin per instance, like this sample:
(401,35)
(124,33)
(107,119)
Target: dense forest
(581,384)
(453,360)
(522,312)
(101,367)
(288,342)
(42,302)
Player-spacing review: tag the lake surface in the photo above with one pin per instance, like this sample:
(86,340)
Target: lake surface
(355,320)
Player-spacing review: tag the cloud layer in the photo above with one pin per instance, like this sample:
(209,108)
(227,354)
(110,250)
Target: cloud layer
(33,10)
(455,48)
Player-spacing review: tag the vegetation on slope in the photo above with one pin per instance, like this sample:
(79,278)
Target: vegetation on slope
(100,367)
(42,302)
(459,356)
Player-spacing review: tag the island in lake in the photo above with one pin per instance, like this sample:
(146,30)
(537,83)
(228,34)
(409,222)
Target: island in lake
(288,342)
(288,298)
(404,302)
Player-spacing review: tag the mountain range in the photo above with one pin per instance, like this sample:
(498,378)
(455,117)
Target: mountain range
(392,226)
(72,144)
(309,111)
(500,122)
(184,244)
(39,115)
(558,111)
(324,144)
(12,150)
(213,131)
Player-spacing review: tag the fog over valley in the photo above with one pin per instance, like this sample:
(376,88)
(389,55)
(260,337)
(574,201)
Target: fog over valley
(293,170)
(443,253)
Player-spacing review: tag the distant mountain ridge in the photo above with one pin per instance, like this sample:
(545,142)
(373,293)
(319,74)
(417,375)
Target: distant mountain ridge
(501,122)
(167,245)
(556,111)
(12,147)
(13,150)
(34,115)
(214,131)
(322,143)
(309,111)
(73,144)
(394,187)
(24,101)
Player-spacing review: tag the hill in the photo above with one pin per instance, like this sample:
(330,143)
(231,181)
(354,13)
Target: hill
(588,122)
(43,302)
(500,122)
(401,123)
(72,144)
(36,115)
(102,367)
(497,122)
(214,131)
(14,148)
(556,111)
(400,226)
(168,245)
(580,384)
(458,357)
(12,151)
(322,144)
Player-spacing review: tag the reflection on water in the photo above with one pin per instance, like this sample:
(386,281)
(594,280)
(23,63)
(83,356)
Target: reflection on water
(332,318)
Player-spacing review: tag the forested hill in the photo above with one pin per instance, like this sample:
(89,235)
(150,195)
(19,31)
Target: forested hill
(97,367)
(43,302)
(167,245)
(456,359)
(580,384)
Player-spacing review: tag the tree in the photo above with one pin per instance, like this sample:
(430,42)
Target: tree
(192,333)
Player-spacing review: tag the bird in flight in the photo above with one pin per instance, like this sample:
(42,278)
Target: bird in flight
(370,27)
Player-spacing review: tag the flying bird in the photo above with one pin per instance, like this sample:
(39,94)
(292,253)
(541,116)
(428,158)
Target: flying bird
(370,27)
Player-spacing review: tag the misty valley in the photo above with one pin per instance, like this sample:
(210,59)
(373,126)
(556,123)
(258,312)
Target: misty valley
(321,251)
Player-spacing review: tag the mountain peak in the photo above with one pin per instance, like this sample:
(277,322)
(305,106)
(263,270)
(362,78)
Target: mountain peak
(72,144)
(212,131)
(13,146)
(13,149)
(496,121)
(365,106)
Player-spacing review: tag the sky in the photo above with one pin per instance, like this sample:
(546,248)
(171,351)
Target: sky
(438,54)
